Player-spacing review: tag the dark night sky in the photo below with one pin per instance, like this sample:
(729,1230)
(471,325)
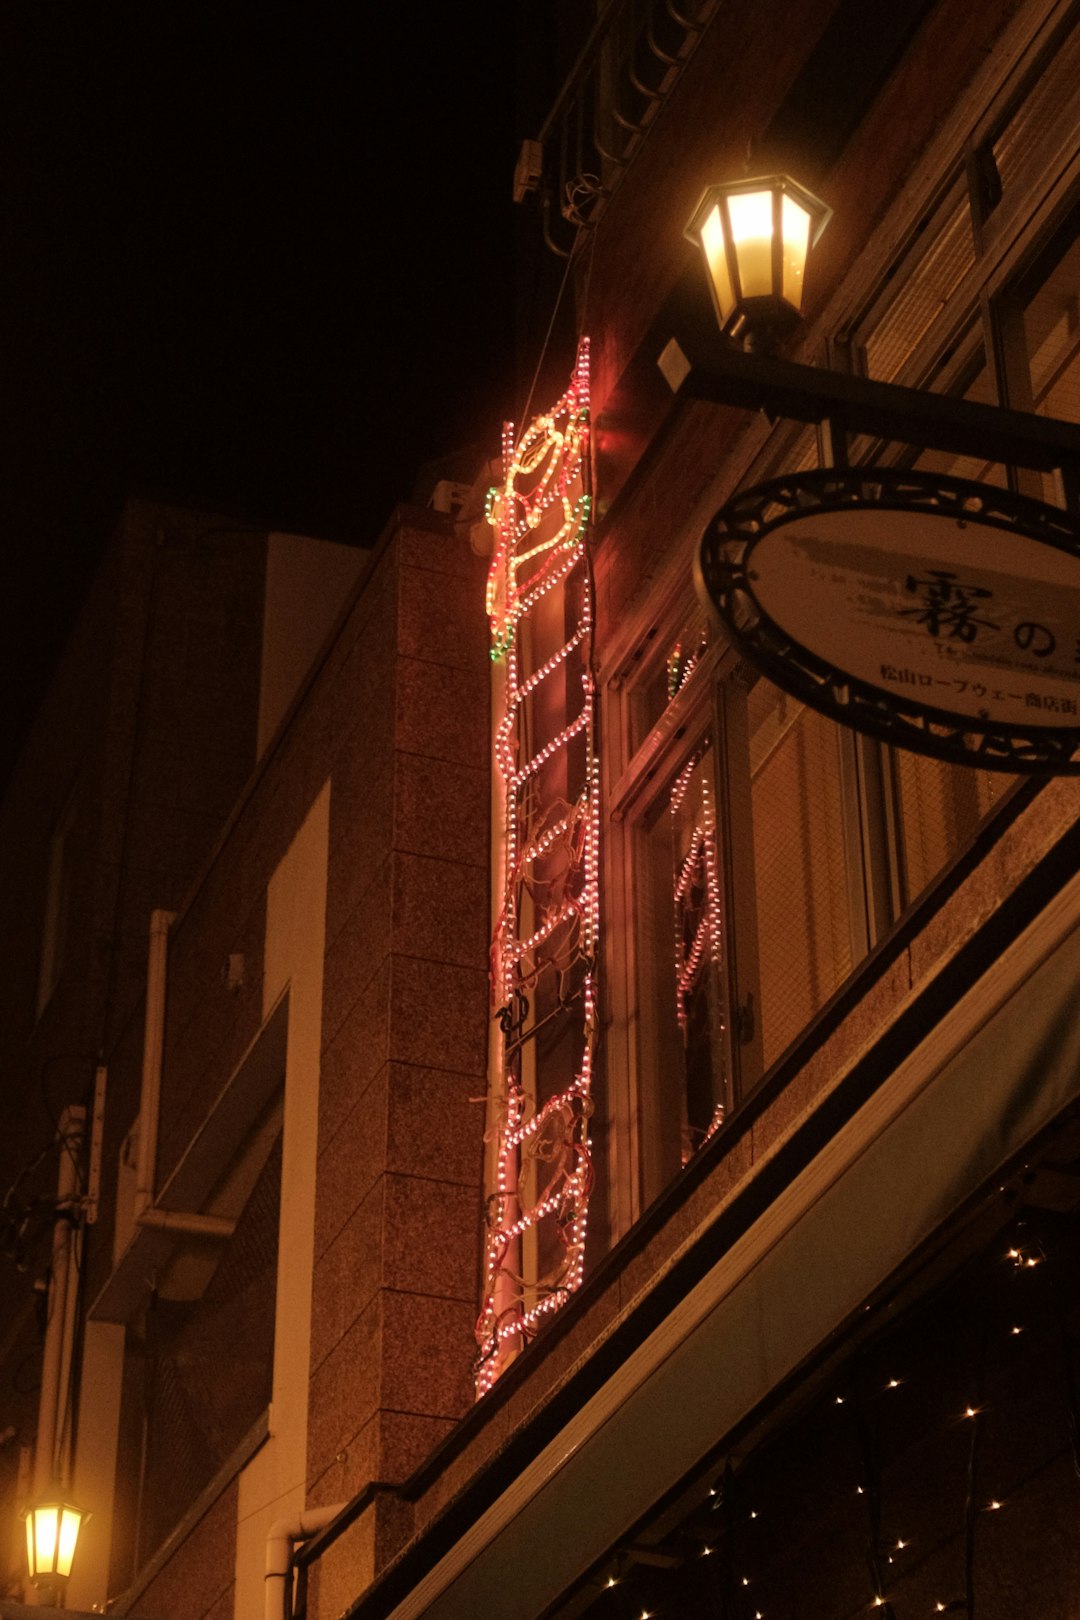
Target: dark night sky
(251,255)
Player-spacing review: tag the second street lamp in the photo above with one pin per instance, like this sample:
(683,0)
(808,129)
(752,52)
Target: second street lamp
(52,1532)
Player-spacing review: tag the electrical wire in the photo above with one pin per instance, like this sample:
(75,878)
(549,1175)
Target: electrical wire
(871,1495)
(524,417)
(971,1505)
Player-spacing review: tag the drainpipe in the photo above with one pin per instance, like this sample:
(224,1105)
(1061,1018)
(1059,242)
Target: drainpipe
(165,1220)
(60,1328)
(280,1541)
(153,1048)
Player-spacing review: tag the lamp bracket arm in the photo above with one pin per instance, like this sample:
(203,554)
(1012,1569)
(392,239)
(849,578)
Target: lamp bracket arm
(720,371)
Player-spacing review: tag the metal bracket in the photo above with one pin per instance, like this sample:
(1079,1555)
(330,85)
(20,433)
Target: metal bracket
(711,367)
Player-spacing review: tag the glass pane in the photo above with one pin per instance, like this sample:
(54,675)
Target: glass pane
(801,869)
(796,227)
(679,917)
(975,467)
(696,902)
(927,284)
(667,679)
(1052,344)
(1037,127)
(939,806)
(751,215)
(712,242)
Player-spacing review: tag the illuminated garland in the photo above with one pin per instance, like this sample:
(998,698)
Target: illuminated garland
(698,911)
(681,665)
(544,950)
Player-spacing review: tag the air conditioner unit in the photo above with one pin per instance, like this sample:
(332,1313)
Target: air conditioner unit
(448,496)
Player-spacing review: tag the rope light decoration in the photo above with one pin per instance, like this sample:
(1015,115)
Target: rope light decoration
(698,918)
(540,605)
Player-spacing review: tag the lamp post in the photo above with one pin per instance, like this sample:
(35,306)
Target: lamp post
(755,236)
(933,612)
(52,1534)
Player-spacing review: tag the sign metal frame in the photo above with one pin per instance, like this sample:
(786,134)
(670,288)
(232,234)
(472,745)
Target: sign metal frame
(726,580)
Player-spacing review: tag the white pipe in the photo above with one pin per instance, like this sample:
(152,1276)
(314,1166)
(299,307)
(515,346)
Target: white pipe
(280,1541)
(176,1220)
(153,1048)
(60,1319)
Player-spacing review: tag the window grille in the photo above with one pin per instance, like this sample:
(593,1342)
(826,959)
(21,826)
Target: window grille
(801,877)
(939,807)
(925,285)
(1050,107)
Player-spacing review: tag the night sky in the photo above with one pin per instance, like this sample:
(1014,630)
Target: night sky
(254,257)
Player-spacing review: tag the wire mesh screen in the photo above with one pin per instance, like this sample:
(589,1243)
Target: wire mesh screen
(803,916)
(1048,109)
(209,1366)
(924,291)
(939,807)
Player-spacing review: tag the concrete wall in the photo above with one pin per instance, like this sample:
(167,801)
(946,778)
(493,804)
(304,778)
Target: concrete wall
(307,584)
(397,1234)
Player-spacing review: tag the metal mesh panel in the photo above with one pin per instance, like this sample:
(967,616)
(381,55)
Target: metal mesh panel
(975,467)
(927,288)
(804,934)
(939,807)
(1046,111)
(682,656)
(693,876)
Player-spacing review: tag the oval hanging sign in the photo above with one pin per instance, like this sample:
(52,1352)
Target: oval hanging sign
(938,614)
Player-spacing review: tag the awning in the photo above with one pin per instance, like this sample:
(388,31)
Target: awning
(991,1069)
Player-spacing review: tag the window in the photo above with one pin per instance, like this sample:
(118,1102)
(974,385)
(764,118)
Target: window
(687,1016)
(200,1314)
(924,283)
(742,817)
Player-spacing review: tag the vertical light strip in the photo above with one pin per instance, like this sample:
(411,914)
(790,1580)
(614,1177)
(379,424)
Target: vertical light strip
(698,910)
(539,600)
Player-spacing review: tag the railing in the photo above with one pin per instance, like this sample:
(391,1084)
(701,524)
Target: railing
(627,69)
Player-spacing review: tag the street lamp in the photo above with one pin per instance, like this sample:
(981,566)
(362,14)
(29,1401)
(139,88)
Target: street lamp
(755,236)
(52,1533)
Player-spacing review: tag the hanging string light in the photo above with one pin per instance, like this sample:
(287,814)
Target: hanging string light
(946,1482)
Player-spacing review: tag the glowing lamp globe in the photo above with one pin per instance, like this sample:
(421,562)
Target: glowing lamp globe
(755,236)
(52,1534)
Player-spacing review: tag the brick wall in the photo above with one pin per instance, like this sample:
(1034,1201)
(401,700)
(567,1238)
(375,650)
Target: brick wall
(404,1026)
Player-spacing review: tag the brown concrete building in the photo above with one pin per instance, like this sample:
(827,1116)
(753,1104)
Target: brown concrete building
(753,1140)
